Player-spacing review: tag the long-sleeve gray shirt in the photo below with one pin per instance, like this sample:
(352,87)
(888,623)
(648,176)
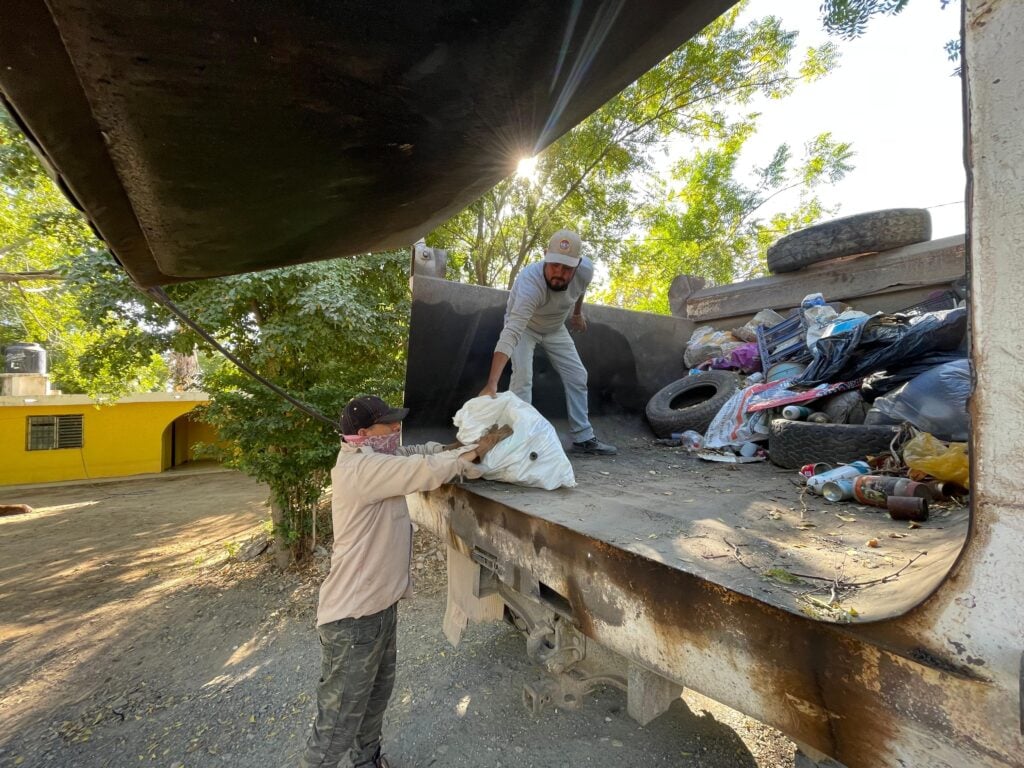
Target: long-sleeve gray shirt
(531,304)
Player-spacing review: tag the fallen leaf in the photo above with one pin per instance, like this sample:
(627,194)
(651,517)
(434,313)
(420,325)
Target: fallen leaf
(872,542)
(912,525)
(846,518)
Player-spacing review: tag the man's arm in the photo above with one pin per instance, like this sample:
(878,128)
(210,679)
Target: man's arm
(522,304)
(576,321)
(498,363)
(380,476)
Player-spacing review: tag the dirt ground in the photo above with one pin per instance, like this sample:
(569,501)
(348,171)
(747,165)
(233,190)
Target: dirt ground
(132,634)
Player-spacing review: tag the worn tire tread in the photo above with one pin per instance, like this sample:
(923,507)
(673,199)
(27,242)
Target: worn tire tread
(791,444)
(862,233)
(665,420)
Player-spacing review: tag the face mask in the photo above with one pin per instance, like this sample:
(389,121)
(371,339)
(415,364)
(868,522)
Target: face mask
(379,443)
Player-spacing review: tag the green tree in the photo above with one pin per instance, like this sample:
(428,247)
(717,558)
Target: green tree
(849,18)
(706,222)
(323,332)
(593,178)
(40,236)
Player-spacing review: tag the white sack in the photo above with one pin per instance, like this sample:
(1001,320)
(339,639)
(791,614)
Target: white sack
(532,456)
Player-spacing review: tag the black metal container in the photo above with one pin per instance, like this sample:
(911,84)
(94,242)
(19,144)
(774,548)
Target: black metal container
(24,357)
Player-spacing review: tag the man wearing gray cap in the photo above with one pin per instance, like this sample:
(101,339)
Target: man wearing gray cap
(543,296)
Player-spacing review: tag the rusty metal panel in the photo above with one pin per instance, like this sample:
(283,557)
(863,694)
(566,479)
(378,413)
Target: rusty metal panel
(868,697)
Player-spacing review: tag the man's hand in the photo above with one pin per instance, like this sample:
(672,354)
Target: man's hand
(578,322)
(498,362)
(491,438)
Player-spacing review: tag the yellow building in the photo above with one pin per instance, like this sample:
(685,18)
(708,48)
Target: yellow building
(46,438)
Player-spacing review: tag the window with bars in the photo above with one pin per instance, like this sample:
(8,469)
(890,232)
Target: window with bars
(45,433)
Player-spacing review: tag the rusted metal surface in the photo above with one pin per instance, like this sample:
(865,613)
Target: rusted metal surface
(251,135)
(868,698)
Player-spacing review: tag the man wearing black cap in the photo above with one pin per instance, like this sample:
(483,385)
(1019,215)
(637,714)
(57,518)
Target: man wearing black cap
(541,300)
(357,613)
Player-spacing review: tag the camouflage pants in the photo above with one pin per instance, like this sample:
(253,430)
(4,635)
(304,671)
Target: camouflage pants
(356,678)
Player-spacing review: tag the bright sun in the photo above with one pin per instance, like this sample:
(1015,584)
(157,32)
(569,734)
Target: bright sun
(527,169)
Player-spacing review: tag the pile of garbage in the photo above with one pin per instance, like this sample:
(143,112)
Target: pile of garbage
(830,385)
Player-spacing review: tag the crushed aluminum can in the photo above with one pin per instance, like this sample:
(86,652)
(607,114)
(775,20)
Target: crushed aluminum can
(810,470)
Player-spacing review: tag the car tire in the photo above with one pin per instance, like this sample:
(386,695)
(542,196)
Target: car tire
(862,233)
(691,402)
(791,444)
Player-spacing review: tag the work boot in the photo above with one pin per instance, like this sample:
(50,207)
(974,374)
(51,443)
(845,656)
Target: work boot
(594,447)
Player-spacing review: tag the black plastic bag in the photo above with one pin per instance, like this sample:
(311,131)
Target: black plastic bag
(882,342)
(883,382)
(935,401)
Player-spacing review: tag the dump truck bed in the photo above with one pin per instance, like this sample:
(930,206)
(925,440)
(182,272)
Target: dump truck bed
(751,528)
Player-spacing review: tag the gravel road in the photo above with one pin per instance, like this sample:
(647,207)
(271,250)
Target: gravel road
(208,661)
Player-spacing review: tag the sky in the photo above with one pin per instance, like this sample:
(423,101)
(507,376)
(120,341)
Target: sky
(893,96)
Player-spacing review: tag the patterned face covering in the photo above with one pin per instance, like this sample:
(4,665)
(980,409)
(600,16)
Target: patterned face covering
(379,443)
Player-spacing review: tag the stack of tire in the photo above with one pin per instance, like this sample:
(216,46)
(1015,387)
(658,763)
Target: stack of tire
(692,402)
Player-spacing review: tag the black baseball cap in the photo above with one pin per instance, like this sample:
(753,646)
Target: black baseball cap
(364,412)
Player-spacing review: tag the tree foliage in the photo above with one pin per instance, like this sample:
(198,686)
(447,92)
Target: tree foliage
(324,332)
(41,233)
(601,177)
(707,222)
(849,18)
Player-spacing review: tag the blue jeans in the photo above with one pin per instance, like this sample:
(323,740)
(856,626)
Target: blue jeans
(561,351)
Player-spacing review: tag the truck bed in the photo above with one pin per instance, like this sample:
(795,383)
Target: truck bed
(750,528)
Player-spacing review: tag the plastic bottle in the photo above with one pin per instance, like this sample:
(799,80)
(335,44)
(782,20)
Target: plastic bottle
(796,412)
(845,472)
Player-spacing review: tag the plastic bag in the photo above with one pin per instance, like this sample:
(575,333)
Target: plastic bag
(883,382)
(769,318)
(926,453)
(745,358)
(823,321)
(706,343)
(532,456)
(934,401)
(733,425)
(847,353)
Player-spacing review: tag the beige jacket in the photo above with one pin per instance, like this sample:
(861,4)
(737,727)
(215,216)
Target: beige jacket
(372,530)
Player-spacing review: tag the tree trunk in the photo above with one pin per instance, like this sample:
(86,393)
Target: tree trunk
(282,552)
